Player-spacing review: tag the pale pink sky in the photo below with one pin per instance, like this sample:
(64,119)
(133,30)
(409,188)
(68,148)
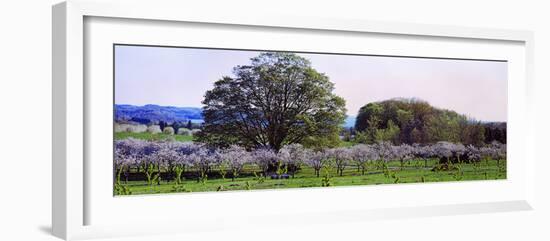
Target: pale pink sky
(181,76)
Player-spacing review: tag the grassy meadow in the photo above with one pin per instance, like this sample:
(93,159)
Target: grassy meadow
(411,172)
(152,137)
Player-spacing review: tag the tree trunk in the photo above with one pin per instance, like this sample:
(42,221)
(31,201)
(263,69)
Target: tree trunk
(158,179)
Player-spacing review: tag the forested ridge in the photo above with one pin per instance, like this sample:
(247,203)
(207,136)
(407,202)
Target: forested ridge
(415,121)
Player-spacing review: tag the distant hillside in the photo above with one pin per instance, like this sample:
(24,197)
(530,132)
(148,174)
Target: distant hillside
(416,121)
(155,113)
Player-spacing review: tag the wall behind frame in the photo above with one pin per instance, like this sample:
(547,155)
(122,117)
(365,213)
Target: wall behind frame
(25,101)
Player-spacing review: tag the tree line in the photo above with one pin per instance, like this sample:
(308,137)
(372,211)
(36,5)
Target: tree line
(415,121)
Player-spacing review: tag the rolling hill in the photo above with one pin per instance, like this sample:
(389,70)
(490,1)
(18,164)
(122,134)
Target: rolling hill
(156,113)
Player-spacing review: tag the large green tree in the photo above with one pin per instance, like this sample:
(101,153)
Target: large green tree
(278,99)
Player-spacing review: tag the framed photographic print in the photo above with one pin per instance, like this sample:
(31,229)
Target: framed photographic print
(194,119)
(281,119)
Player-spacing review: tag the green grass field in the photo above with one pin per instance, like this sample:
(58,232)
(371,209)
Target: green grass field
(161,136)
(412,172)
(151,137)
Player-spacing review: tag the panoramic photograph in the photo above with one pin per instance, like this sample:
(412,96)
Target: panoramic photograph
(213,120)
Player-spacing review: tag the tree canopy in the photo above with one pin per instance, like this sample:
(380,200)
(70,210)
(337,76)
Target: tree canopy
(278,99)
(415,121)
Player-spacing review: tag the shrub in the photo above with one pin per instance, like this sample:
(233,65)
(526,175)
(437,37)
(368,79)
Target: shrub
(120,127)
(123,127)
(136,128)
(184,131)
(168,130)
(154,129)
